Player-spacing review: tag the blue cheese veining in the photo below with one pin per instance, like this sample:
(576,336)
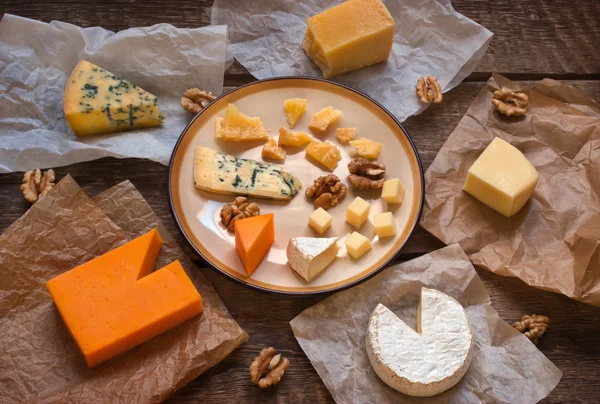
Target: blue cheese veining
(225,174)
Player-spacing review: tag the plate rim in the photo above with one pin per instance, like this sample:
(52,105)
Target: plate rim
(356,282)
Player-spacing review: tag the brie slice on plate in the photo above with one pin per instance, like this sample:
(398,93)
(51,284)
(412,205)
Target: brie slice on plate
(309,256)
(425,362)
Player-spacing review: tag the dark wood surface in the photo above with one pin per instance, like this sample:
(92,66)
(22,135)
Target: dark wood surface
(533,40)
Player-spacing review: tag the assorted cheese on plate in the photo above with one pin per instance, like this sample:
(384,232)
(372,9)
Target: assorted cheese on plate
(269,141)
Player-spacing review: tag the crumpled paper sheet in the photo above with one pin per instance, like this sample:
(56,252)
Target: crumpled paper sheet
(553,243)
(39,361)
(431,38)
(36,60)
(506,366)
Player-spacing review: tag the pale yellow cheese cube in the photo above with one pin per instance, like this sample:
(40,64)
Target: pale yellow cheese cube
(344,135)
(320,220)
(393,191)
(325,117)
(357,245)
(502,178)
(358,212)
(385,225)
(351,35)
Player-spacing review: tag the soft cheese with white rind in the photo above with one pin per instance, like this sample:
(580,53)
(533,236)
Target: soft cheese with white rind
(425,362)
(309,256)
(225,174)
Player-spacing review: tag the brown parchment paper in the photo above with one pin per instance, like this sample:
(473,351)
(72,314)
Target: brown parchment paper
(39,362)
(506,366)
(553,243)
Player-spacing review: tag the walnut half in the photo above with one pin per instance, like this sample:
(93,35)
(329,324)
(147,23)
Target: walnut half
(36,185)
(509,102)
(429,90)
(194,100)
(240,208)
(268,368)
(533,326)
(366,174)
(327,191)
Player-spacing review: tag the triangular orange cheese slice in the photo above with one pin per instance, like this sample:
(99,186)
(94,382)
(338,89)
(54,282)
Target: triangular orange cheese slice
(253,239)
(114,303)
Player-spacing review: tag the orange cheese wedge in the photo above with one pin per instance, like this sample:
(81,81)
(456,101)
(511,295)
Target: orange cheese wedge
(253,239)
(114,303)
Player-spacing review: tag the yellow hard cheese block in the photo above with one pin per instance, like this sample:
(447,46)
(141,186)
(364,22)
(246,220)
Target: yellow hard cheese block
(115,302)
(96,102)
(351,35)
(502,178)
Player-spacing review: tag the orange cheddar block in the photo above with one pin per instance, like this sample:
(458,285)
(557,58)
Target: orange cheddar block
(253,239)
(115,302)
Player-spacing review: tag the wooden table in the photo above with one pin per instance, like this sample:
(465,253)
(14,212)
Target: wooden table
(533,40)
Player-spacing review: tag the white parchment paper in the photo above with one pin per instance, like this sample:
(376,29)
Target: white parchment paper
(506,366)
(36,59)
(431,38)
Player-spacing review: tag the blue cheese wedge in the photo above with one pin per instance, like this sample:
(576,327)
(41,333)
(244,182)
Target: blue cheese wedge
(309,256)
(222,173)
(96,102)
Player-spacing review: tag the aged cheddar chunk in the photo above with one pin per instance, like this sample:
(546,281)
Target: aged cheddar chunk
(357,245)
(238,127)
(366,148)
(320,220)
(393,191)
(351,35)
(294,139)
(294,108)
(219,126)
(325,153)
(96,102)
(325,117)
(385,225)
(502,178)
(357,212)
(344,135)
(226,174)
(253,239)
(115,302)
(272,151)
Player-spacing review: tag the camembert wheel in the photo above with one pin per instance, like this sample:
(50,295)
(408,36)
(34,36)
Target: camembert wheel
(425,362)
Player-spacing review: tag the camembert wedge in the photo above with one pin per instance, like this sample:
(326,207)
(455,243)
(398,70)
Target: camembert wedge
(225,174)
(425,362)
(98,102)
(309,256)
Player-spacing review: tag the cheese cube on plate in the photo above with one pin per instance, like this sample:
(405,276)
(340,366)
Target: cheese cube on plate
(393,191)
(502,178)
(320,220)
(385,225)
(357,245)
(358,212)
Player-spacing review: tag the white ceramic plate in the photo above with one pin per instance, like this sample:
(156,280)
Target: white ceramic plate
(197,212)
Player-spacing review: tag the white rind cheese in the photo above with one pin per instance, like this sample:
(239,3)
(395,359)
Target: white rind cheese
(425,362)
(309,256)
(225,174)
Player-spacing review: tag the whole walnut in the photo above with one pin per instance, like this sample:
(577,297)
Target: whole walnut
(327,191)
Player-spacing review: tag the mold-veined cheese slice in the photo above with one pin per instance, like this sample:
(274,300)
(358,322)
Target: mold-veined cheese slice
(222,173)
(96,102)
(425,362)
